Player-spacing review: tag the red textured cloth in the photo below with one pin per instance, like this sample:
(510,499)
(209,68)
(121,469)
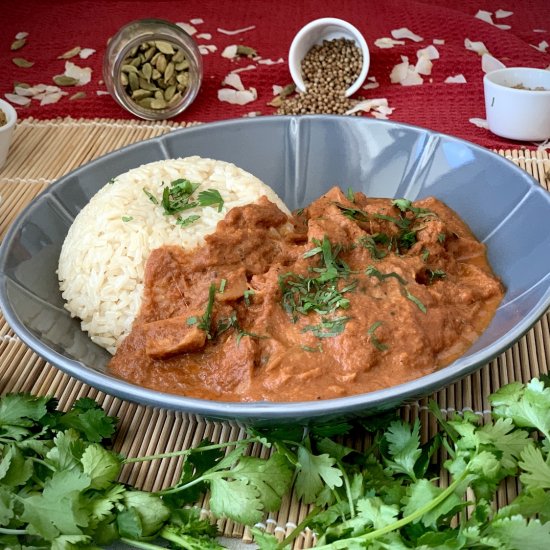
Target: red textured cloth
(55,27)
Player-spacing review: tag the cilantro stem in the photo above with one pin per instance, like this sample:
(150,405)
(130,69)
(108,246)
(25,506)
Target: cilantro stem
(141,544)
(6,531)
(186,452)
(344,543)
(298,529)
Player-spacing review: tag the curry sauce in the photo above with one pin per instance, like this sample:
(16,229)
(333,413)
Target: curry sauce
(349,295)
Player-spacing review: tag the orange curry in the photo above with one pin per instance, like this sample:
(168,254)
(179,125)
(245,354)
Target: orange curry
(349,295)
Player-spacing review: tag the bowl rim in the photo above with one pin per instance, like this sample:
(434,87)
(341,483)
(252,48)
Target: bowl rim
(488,78)
(282,410)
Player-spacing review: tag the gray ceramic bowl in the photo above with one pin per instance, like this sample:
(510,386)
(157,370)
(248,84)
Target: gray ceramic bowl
(301,158)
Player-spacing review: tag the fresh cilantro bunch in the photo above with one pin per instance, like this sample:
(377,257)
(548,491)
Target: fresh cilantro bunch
(59,488)
(389,497)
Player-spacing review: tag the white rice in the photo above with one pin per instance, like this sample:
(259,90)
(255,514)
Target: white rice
(103,257)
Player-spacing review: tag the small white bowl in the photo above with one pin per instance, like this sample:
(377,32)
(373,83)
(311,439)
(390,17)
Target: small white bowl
(6,131)
(518,113)
(327,28)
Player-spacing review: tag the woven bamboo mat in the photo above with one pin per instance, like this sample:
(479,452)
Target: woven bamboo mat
(42,152)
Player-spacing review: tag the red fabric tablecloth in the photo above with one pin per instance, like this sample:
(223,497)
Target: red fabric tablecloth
(55,27)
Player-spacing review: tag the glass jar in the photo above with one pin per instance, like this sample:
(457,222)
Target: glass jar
(137,60)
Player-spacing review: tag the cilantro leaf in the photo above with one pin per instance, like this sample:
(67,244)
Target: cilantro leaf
(403,447)
(536,469)
(18,412)
(518,533)
(101,465)
(314,471)
(527,405)
(211,197)
(87,417)
(58,510)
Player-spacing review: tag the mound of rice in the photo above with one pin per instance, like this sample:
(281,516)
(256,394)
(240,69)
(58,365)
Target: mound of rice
(103,257)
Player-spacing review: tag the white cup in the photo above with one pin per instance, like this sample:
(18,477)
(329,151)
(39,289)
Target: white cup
(522,114)
(6,130)
(328,28)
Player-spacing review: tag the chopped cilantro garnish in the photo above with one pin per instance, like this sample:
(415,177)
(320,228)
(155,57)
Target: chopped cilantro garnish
(184,222)
(150,195)
(415,300)
(328,328)
(373,272)
(370,243)
(441,237)
(127,218)
(373,339)
(434,274)
(350,194)
(211,197)
(246,295)
(355,214)
(425,255)
(223,283)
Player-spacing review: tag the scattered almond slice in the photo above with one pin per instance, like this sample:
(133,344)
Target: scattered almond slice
(243,69)
(236,31)
(82,74)
(406,33)
(490,63)
(406,74)
(233,80)
(48,99)
(501,14)
(102,92)
(385,43)
(542,46)
(84,53)
(230,52)
(204,36)
(252,114)
(277,89)
(262,61)
(438,41)
(205,49)
(479,122)
(196,21)
(539,30)
(237,97)
(23,91)
(486,16)
(431,52)
(423,65)
(412,78)
(189,29)
(478,47)
(456,79)
(378,108)
(21,35)
(399,71)
(371,85)
(18,99)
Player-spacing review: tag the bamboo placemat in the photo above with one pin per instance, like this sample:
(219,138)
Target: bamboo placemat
(42,152)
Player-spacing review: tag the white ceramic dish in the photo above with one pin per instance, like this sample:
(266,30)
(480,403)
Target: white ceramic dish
(327,28)
(6,131)
(514,107)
